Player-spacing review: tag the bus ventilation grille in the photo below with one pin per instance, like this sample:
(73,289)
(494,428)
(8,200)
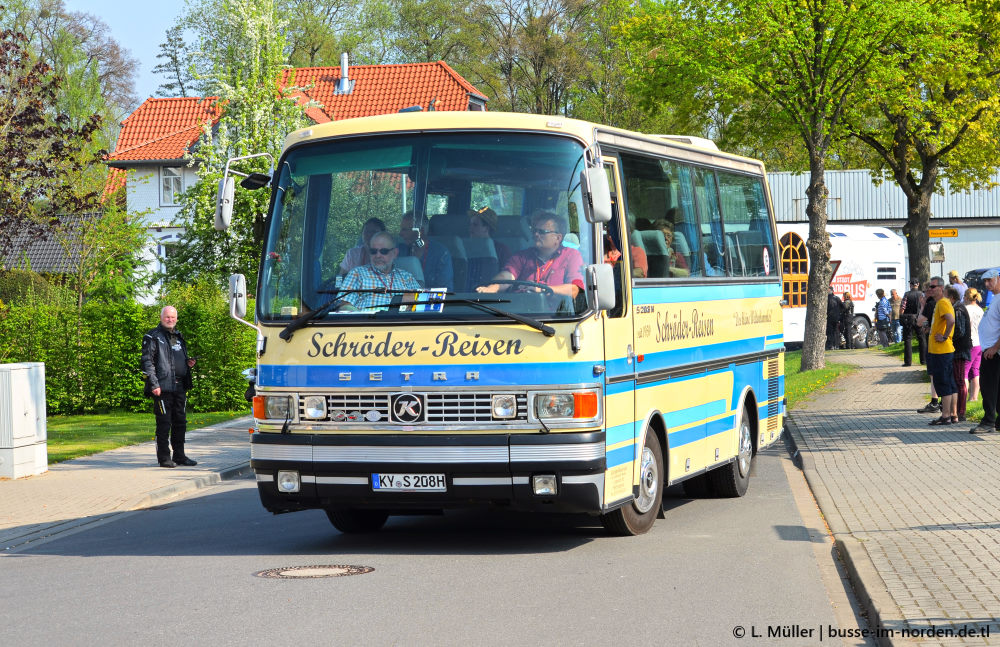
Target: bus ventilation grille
(772,394)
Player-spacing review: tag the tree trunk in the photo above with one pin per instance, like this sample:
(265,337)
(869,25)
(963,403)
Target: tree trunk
(818,244)
(918,218)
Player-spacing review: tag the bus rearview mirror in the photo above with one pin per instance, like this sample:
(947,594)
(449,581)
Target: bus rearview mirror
(596,194)
(237,296)
(601,286)
(224,203)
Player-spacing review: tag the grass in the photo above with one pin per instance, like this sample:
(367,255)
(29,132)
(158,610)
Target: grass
(799,386)
(75,436)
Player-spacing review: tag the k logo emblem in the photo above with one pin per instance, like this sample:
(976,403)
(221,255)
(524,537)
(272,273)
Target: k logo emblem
(406,408)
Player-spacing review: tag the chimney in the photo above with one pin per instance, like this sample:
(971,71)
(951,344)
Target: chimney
(345,85)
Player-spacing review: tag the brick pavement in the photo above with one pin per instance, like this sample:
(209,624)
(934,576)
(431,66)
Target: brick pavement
(915,508)
(89,489)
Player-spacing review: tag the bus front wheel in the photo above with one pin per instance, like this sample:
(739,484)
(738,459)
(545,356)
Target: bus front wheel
(637,517)
(357,521)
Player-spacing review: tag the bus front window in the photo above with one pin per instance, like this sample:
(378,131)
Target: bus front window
(407,227)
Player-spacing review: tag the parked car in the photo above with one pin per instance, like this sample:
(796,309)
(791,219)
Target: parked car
(974,279)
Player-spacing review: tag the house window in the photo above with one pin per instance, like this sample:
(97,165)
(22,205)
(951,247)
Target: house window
(172,185)
(794,270)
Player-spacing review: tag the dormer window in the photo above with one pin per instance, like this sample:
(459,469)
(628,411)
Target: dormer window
(171,185)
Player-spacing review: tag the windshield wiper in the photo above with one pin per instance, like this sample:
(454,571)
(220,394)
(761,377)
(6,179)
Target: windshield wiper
(324,310)
(545,329)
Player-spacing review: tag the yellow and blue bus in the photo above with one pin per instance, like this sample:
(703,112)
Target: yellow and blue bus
(475,308)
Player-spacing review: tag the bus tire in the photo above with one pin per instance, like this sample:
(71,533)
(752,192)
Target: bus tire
(733,479)
(637,516)
(357,521)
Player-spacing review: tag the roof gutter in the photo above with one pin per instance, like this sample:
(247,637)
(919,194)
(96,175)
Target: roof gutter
(125,164)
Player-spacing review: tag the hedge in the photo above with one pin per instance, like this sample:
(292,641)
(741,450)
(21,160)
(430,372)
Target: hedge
(92,355)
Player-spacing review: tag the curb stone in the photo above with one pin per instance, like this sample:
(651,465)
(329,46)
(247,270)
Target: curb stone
(870,588)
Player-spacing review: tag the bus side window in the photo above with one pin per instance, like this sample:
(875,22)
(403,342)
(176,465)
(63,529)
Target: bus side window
(749,249)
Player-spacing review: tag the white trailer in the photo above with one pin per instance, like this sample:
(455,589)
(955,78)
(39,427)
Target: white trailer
(863,259)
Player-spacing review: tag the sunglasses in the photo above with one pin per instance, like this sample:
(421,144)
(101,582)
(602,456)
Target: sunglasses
(541,232)
(384,251)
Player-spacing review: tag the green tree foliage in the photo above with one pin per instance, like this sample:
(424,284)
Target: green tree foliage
(799,65)
(242,40)
(103,249)
(41,150)
(175,65)
(935,115)
(526,55)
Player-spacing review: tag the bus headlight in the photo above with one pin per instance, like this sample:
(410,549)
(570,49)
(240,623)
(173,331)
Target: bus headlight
(274,407)
(504,407)
(554,405)
(566,405)
(314,406)
(288,481)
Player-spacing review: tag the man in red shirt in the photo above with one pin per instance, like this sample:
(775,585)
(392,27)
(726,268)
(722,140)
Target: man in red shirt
(548,262)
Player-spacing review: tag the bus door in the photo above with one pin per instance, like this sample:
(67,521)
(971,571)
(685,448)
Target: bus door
(619,353)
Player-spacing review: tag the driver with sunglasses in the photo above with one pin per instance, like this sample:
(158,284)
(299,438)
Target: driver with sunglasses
(378,274)
(548,262)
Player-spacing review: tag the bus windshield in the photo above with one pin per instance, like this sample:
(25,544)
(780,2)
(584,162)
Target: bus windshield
(414,227)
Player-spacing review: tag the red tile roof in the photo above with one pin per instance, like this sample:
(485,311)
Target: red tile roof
(163,129)
(381,89)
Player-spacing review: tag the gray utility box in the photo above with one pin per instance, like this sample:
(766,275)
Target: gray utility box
(23,437)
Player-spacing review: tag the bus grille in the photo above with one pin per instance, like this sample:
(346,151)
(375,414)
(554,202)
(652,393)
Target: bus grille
(772,394)
(454,407)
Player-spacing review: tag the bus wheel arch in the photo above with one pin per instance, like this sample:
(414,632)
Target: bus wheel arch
(638,515)
(733,478)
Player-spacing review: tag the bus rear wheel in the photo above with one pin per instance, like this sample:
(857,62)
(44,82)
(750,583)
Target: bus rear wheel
(733,479)
(357,521)
(637,517)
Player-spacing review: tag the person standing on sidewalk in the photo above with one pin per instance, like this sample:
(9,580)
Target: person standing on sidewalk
(940,352)
(971,302)
(883,318)
(956,282)
(167,367)
(897,307)
(989,370)
(834,309)
(962,341)
(924,324)
(847,320)
(908,317)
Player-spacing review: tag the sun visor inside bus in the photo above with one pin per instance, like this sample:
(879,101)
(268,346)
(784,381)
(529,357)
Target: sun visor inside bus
(360,159)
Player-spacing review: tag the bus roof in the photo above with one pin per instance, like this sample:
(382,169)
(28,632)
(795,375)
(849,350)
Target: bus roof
(474,120)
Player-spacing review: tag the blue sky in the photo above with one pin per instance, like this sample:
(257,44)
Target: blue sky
(139,27)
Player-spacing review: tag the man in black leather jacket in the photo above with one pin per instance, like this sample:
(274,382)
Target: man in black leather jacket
(167,368)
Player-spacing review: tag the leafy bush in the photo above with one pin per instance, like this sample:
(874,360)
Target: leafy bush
(22,286)
(92,354)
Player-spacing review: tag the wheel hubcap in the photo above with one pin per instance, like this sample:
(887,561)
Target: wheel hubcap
(649,481)
(746,447)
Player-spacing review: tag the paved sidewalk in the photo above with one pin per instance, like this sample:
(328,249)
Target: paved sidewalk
(85,490)
(914,509)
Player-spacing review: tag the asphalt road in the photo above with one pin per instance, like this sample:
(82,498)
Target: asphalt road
(185,573)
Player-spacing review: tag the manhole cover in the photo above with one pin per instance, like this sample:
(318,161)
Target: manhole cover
(304,572)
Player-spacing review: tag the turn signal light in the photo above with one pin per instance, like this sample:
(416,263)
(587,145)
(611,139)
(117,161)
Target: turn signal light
(259,407)
(585,405)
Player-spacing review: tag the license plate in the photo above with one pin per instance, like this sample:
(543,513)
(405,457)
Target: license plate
(409,483)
